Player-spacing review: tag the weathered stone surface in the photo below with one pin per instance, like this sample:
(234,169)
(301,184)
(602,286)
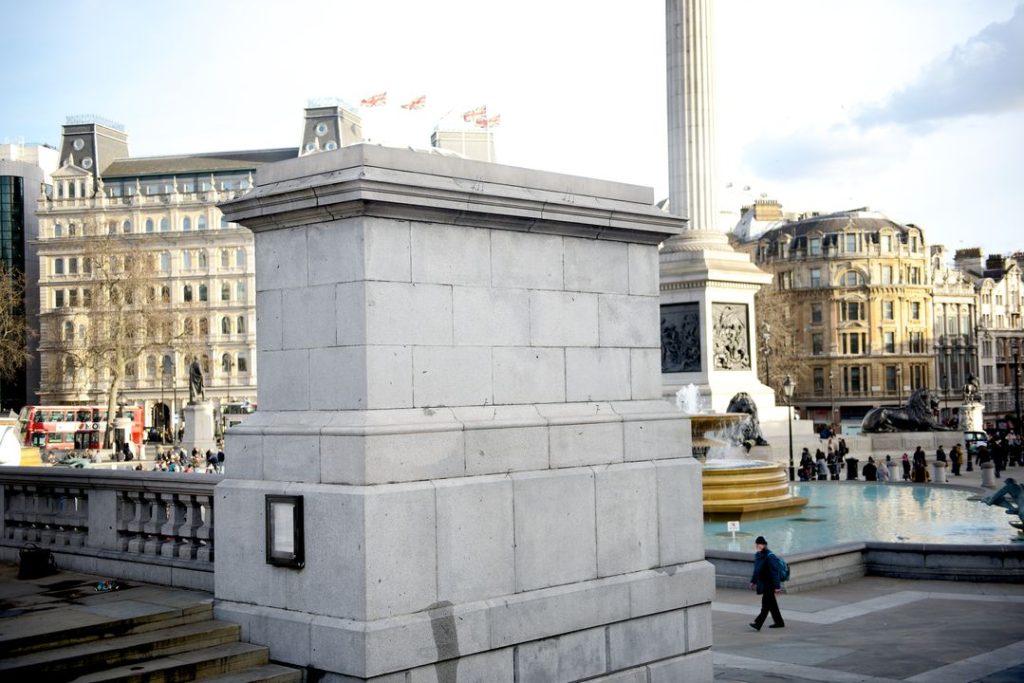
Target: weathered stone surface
(563,319)
(586,443)
(528,375)
(597,374)
(526,261)
(596,266)
(698,666)
(451,376)
(491,317)
(646,639)
(681,532)
(451,255)
(627,518)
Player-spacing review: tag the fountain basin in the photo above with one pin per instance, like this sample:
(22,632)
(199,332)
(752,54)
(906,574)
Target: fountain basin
(747,489)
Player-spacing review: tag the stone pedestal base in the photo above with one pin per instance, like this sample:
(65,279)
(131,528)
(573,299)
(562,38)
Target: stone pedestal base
(972,417)
(988,475)
(895,471)
(199,428)
(939,472)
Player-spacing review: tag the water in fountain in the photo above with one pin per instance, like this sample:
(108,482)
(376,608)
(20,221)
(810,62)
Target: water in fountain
(689,400)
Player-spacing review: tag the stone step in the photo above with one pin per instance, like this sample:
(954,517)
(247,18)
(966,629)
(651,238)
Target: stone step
(193,665)
(73,660)
(269,673)
(96,619)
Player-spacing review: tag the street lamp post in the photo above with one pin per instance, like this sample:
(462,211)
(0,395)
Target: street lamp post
(945,398)
(831,400)
(766,338)
(1016,383)
(899,384)
(787,390)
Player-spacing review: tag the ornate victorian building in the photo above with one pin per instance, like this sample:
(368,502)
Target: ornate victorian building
(859,305)
(954,304)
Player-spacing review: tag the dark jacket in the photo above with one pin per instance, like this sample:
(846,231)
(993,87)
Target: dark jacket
(762,559)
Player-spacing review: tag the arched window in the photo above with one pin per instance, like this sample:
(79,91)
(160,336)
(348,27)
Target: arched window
(186,260)
(81,332)
(126,226)
(58,266)
(240,324)
(149,225)
(72,230)
(225,258)
(853,279)
(165,294)
(186,224)
(69,366)
(129,369)
(225,363)
(187,293)
(206,365)
(240,292)
(204,294)
(240,258)
(201,223)
(112,227)
(225,292)
(58,230)
(151,366)
(225,325)
(202,260)
(189,328)
(165,262)
(69,331)
(165,224)
(243,363)
(204,327)
(168,365)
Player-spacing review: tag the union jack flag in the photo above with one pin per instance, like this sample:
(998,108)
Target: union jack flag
(417,103)
(484,122)
(374,100)
(474,114)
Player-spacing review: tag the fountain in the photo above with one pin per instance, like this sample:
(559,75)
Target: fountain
(735,487)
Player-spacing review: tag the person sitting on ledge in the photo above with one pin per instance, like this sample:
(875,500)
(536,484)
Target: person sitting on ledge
(870,470)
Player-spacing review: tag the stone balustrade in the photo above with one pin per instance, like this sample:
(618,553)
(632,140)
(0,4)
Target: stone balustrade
(151,526)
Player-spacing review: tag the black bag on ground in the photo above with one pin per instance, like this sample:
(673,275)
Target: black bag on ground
(35,562)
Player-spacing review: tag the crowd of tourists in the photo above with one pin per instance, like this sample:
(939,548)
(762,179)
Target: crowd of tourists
(833,456)
(175,459)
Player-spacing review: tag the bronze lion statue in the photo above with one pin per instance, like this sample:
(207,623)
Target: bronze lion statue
(917,416)
(744,403)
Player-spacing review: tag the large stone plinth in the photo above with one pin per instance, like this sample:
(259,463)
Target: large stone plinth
(459,372)
(199,429)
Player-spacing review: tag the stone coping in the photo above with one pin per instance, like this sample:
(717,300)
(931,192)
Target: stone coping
(121,480)
(408,185)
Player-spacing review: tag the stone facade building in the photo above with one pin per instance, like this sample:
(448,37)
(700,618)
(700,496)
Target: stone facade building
(164,208)
(954,302)
(860,305)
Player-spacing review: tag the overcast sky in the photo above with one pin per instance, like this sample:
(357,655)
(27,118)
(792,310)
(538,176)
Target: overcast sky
(912,107)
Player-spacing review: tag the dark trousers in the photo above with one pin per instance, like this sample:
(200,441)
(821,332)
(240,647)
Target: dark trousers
(769,604)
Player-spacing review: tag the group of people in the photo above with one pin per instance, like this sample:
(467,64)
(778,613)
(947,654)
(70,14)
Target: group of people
(824,465)
(176,459)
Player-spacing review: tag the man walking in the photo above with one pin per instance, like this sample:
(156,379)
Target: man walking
(767,581)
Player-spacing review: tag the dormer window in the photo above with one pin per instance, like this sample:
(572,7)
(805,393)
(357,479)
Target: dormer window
(814,246)
(851,243)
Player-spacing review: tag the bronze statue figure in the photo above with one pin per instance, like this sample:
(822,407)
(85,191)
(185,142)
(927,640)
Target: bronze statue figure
(917,416)
(195,382)
(1011,497)
(744,403)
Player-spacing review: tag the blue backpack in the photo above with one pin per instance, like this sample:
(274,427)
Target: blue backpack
(783,569)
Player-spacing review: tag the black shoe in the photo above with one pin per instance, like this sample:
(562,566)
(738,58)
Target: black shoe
(776,626)
(754,626)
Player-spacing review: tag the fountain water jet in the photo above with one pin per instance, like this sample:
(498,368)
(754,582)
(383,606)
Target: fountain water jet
(735,487)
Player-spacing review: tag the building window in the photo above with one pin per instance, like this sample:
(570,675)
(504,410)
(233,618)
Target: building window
(814,246)
(186,260)
(73,265)
(815,277)
(225,363)
(187,293)
(186,224)
(819,381)
(851,310)
(987,374)
(225,325)
(917,342)
(151,367)
(204,326)
(888,310)
(165,294)
(240,324)
(69,331)
(913,243)
(225,292)
(202,260)
(915,276)
(890,342)
(816,314)
(240,292)
(915,310)
(853,343)
(201,223)
(149,225)
(126,227)
(986,349)
(853,380)
(58,230)
(243,364)
(917,375)
(165,262)
(786,280)
(851,243)
(87,297)
(817,344)
(240,258)
(204,294)
(188,328)
(58,266)
(853,279)
(886,275)
(886,243)
(890,379)
(165,224)
(58,298)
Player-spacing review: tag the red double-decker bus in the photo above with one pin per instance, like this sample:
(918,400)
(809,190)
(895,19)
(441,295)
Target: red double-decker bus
(65,428)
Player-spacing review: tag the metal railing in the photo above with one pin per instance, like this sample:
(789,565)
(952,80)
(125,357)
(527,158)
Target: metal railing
(152,518)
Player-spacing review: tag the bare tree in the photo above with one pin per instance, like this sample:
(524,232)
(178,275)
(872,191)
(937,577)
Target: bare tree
(14,331)
(124,314)
(776,338)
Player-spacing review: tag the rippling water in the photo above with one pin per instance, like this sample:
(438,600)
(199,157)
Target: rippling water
(878,512)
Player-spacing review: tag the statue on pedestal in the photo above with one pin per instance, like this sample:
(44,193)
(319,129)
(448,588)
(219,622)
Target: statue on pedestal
(195,382)
(918,415)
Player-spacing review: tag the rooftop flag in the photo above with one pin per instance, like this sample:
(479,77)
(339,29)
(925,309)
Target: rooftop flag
(474,114)
(417,103)
(374,100)
(484,122)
